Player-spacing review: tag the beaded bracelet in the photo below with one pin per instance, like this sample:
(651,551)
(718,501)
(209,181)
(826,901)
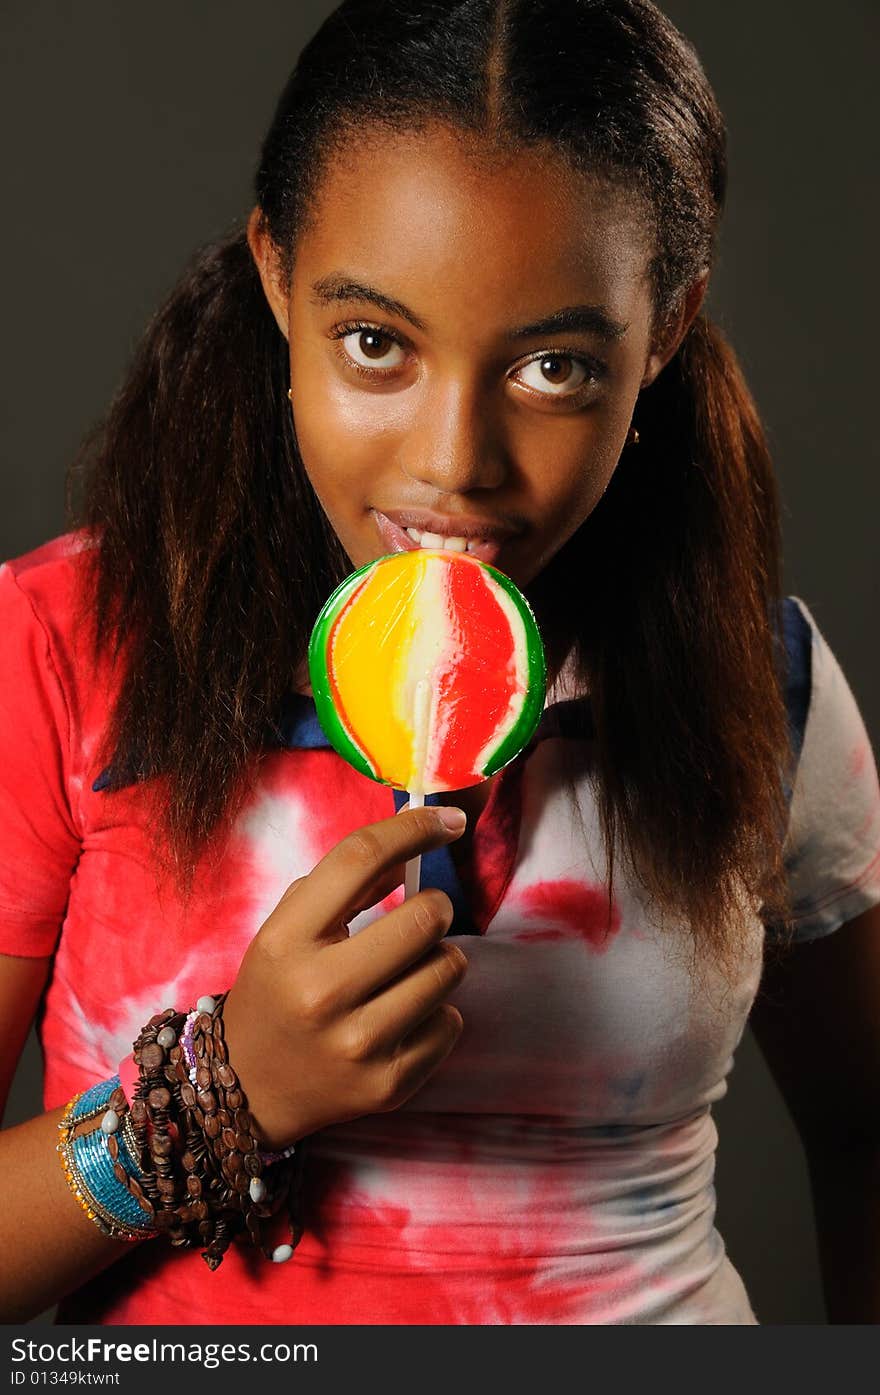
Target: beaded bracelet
(89,1162)
(220,1183)
(186,1042)
(181,1157)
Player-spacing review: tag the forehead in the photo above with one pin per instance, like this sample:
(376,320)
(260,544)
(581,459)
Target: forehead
(441,214)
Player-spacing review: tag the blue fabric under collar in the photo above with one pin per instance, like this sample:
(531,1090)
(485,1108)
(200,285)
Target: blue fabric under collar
(438,869)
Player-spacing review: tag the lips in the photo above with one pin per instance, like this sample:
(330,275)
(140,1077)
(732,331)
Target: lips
(404,530)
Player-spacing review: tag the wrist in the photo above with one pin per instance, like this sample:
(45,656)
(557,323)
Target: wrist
(269,1114)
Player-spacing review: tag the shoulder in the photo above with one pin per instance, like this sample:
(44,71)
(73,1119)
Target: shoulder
(833,840)
(45,682)
(797,630)
(42,590)
(48,576)
(45,628)
(818,697)
(816,690)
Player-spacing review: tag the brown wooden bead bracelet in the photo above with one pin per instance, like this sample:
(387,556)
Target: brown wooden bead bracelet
(212,1182)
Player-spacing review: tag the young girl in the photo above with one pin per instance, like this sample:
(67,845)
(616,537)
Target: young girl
(466,312)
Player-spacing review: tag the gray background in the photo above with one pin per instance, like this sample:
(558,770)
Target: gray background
(129,137)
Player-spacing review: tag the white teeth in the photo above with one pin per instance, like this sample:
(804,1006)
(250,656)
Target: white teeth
(441,543)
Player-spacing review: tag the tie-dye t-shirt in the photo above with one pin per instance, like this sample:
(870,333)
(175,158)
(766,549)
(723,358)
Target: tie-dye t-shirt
(558,1166)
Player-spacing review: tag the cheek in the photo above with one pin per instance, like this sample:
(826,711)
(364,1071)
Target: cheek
(568,468)
(331,447)
(343,434)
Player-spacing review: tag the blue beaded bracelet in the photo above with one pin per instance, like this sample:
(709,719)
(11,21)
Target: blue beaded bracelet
(90,1168)
(96,1167)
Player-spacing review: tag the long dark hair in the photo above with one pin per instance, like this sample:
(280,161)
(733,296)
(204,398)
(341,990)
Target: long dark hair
(215,555)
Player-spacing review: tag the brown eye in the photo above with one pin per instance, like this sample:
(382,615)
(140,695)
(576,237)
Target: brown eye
(372,344)
(556,370)
(553,374)
(373,348)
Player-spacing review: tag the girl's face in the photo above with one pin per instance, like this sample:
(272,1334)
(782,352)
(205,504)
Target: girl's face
(468,332)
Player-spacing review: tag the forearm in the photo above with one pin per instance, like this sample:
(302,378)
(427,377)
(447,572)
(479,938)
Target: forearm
(48,1243)
(846,1197)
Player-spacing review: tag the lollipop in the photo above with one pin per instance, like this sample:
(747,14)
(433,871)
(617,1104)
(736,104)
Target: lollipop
(428,671)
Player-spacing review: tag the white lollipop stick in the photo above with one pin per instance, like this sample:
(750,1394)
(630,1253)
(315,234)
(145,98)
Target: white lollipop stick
(421,727)
(414,866)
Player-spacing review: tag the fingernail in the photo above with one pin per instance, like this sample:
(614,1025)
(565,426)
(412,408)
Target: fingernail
(403,808)
(451,818)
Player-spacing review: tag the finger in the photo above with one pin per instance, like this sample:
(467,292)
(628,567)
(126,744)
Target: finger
(422,1051)
(398,1008)
(341,879)
(377,891)
(380,888)
(368,961)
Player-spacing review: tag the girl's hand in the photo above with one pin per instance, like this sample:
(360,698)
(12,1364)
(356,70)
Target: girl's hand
(322,1027)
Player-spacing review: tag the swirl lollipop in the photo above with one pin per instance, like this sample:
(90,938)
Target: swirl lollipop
(428,672)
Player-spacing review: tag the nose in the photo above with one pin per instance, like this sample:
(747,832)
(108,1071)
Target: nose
(456,444)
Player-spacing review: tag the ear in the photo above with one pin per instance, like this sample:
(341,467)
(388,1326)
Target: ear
(266,259)
(674,329)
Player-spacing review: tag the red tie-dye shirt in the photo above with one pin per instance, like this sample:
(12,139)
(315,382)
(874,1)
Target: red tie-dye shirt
(558,1167)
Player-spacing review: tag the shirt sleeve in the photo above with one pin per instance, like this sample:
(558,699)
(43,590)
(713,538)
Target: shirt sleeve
(832,848)
(39,843)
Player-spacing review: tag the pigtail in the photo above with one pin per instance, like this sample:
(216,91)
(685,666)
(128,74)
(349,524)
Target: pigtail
(679,646)
(208,575)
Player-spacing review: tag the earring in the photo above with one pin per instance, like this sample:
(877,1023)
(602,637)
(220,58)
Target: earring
(290,394)
(632,437)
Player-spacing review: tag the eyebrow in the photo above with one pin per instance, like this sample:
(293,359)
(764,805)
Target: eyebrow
(333,288)
(572,319)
